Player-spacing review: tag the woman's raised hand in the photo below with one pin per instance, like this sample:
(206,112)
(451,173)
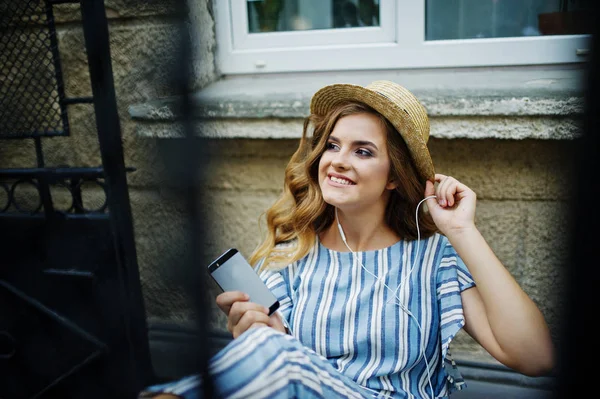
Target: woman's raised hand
(243,315)
(453,209)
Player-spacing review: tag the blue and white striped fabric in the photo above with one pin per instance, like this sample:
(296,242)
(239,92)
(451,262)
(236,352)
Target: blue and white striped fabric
(350,334)
(344,313)
(265,363)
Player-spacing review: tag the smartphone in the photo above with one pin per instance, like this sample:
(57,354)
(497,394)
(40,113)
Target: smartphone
(232,272)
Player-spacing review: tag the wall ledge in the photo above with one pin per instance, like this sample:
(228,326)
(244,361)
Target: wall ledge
(543,102)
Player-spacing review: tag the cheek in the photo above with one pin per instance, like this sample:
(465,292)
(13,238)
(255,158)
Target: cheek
(382,172)
(323,164)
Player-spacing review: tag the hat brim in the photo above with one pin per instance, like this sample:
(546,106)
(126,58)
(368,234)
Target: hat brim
(330,96)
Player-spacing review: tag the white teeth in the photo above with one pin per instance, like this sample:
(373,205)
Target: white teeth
(340,181)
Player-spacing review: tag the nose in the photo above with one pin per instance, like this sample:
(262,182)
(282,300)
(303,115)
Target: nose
(340,160)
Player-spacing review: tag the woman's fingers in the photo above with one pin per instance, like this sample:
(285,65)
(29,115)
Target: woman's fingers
(239,310)
(453,208)
(429,188)
(241,314)
(250,319)
(277,323)
(430,191)
(449,190)
(257,324)
(446,190)
(228,298)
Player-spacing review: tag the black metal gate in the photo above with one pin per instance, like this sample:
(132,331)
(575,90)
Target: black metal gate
(72,320)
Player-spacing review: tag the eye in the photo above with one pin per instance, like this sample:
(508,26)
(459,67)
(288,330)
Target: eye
(364,152)
(331,146)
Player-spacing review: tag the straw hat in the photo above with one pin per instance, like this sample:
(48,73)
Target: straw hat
(393,101)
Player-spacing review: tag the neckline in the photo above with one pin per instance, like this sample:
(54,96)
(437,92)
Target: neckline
(370,251)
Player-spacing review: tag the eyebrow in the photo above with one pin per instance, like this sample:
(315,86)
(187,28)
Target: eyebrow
(357,142)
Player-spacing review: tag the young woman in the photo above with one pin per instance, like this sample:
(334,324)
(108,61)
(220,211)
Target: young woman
(377,264)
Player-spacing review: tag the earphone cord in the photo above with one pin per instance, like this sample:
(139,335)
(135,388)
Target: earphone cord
(395,292)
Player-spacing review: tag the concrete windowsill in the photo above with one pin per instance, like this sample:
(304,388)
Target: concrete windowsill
(537,102)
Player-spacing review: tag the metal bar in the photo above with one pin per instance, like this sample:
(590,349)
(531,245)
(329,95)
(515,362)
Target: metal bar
(49,133)
(43,185)
(86,216)
(60,86)
(79,274)
(95,30)
(76,192)
(39,154)
(192,166)
(58,215)
(78,100)
(60,172)
(54,2)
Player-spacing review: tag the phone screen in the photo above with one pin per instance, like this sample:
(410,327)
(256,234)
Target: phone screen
(232,272)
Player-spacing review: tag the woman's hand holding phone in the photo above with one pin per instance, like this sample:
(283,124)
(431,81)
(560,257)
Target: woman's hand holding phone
(243,315)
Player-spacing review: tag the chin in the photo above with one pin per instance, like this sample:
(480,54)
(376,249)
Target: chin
(332,201)
(336,203)
(335,199)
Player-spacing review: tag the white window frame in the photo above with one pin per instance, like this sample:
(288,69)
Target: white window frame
(242,40)
(398,43)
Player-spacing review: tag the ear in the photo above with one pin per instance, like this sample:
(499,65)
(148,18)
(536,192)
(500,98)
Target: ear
(391,185)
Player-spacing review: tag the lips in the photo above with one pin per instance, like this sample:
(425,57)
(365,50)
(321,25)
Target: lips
(339,179)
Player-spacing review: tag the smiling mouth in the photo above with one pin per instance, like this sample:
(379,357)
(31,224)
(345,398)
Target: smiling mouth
(340,180)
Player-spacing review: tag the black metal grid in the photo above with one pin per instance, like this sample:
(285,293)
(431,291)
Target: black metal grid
(67,232)
(75,192)
(31,87)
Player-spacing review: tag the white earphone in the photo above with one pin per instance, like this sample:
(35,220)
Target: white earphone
(398,290)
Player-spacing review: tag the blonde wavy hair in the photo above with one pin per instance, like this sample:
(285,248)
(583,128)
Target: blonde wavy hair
(300,213)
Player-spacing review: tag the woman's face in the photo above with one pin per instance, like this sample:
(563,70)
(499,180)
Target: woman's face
(354,170)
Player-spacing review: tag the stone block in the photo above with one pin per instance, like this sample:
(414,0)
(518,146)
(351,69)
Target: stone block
(548,227)
(141,72)
(161,239)
(116,9)
(508,169)
(17,154)
(531,239)
(162,234)
(507,127)
(235,220)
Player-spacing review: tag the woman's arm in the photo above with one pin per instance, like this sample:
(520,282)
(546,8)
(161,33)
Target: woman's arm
(498,313)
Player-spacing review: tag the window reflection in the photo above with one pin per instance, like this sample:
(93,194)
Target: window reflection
(295,15)
(475,19)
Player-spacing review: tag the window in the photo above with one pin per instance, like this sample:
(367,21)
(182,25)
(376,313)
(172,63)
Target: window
(258,36)
(269,25)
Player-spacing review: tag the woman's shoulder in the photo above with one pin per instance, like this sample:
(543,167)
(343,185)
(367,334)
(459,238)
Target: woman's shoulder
(437,246)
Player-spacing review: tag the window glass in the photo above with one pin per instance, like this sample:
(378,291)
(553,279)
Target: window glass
(295,15)
(476,19)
